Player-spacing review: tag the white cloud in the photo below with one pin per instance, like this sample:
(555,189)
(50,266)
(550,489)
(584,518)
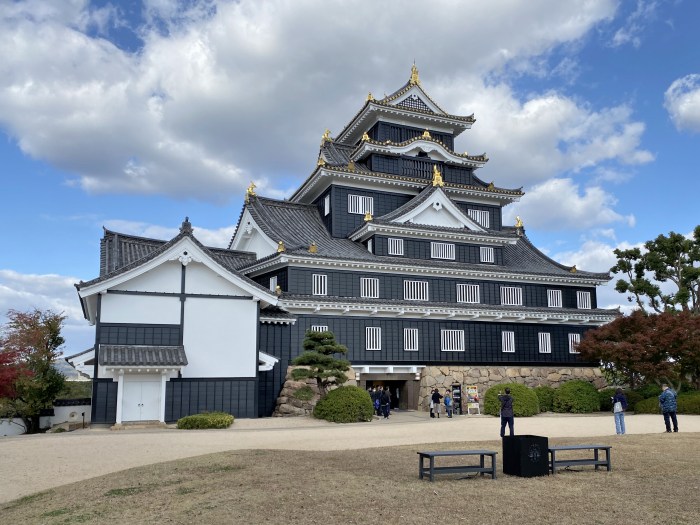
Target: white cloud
(630,32)
(560,204)
(218,238)
(682,101)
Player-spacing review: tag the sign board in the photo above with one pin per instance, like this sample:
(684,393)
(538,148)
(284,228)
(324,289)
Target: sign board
(472,398)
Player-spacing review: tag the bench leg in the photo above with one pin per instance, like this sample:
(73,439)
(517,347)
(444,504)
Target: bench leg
(595,458)
(432,468)
(607,459)
(481,463)
(553,462)
(420,467)
(493,466)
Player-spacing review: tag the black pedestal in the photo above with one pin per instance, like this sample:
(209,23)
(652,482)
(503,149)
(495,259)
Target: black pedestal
(526,456)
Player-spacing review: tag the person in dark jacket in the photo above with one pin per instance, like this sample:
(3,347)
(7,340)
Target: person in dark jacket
(667,401)
(385,402)
(376,394)
(506,412)
(435,398)
(619,410)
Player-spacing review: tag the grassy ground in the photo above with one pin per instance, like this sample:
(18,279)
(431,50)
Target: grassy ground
(655,479)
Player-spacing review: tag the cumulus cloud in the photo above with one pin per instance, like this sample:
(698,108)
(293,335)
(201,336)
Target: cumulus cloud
(218,238)
(682,101)
(636,22)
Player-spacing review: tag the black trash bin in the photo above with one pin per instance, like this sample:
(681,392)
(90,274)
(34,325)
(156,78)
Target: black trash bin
(526,456)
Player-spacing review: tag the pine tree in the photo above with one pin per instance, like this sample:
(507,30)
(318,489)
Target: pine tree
(318,356)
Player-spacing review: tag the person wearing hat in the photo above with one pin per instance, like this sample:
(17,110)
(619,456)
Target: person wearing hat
(506,412)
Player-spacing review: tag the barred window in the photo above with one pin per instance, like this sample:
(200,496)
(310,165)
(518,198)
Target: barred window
(416,291)
(480,217)
(320,284)
(486,254)
(360,205)
(583,300)
(373,338)
(395,246)
(326,204)
(574,340)
(319,328)
(369,287)
(410,339)
(554,298)
(508,341)
(545,343)
(273,283)
(452,340)
(442,250)
(511,295)
(468,293)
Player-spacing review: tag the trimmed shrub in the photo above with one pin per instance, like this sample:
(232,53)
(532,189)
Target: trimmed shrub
(305,393)
(605,397)
(632,399)
(648,390)
(648,406)
(346,404)
(205,420)
(545,395)
(525,402)
(577,396)
(688,403)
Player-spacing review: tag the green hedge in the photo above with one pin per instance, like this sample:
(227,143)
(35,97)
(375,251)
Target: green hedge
(347,404)
(525,402)
(205,420)
(577,396)
(688,403)
(545,395)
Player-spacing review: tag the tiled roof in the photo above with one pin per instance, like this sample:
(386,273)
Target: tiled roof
(133,355)
(274,312)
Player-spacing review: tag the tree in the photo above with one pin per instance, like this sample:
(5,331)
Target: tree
(672,260)
(29,344)
(319,348)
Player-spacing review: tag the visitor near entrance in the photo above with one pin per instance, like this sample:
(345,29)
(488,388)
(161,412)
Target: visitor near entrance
(385,401)
(506,412)
(448,402)
(619,406)
(435,403)
(667,401)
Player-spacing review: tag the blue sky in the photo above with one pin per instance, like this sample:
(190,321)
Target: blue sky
(133,115)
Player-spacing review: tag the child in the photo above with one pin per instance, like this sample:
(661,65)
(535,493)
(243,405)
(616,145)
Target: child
(448,402)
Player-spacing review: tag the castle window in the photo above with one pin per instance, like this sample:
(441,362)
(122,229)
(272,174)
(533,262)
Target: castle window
(442,250)
(416,291)
(360,205)
(395,246)
(583,300)
(319,328)
(452,340)
(369,245)
(273,283)
(508,341)
(574,340)
(554,298)
(468,293)
(373,338)
(511,295)
(369,287)
(480,217)
(486,255)
(545,342)
(327,204)
(319,284)
(410,339)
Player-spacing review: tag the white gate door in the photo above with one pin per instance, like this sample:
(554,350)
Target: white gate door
(141,401)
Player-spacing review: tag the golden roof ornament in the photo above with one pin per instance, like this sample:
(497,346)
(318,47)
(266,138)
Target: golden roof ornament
(414,81)
(368,216)
(278,290)
(491,186)
(437,177)
(370,98)
(351,165)
(326,137)
(250,192)
(313,248)
(365,137)
(518,222)
(321,162)
(426,134)
(573,269)
(280,247)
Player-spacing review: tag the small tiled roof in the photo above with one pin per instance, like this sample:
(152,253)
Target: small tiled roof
(135,355)
(274,312)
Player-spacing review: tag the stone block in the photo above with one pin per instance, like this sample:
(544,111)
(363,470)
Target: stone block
(512,372)
(553,377)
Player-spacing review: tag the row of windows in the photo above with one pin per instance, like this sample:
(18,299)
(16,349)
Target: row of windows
(441,250)
(466,293)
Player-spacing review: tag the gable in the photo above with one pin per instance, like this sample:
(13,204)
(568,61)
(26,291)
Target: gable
(438,210)
(250,237)
(415,98)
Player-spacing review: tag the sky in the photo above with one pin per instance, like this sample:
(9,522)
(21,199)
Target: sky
(133,115)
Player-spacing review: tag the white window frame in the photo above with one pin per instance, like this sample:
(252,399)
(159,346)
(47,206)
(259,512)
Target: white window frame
(319,328)
(373,338)
(508,341)
(511,295)
(583,300)
(395,246)
(480,217)
(487,254)
(416,291)
(327,204)
(468,293)
(359,205)
(554,299)
(574,340)
(319,284)
(452,340)
(545,342)
(442,250)
(410,339)
(369,287)
(369,245)
(273,283)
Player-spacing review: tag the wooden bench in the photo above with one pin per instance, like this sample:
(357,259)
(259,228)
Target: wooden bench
(431,469)
(555,462)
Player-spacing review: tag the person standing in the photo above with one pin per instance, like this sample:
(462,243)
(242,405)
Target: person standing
(507,417)
(385,401)
(619,401)
(667,401)
(436,397)
(448,402)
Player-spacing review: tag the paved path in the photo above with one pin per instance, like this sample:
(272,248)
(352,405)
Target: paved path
(39,462)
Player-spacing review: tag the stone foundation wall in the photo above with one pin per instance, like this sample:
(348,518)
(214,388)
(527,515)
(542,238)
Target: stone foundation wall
(442,377)
(288,405)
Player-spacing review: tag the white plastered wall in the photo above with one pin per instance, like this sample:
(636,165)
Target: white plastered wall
(140,309)
(201,280)
(164,278)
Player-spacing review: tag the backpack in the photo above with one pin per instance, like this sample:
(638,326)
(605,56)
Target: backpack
(376,403)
